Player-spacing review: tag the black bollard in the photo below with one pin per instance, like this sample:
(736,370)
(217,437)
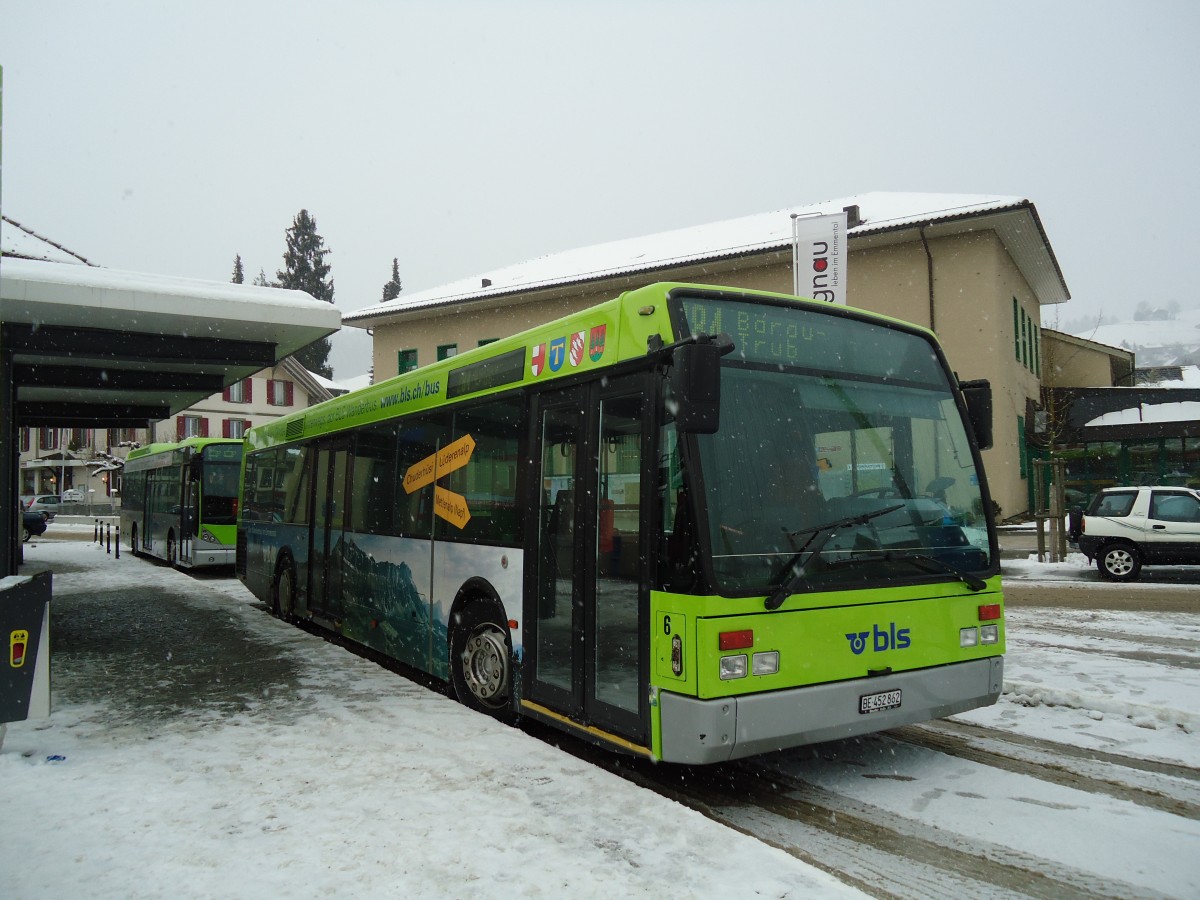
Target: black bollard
(108,548)
(96,536)
(118,553)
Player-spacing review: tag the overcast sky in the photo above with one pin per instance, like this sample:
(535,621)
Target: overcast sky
(462,136)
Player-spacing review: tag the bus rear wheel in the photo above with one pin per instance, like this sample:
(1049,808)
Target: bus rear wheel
(171,552)
(284,607)
(480,661)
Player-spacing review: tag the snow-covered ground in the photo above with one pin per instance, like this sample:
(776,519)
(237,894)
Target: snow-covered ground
(361,783)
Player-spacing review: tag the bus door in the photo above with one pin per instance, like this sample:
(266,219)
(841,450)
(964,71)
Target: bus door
(189,516)
(588,653)
(328,529)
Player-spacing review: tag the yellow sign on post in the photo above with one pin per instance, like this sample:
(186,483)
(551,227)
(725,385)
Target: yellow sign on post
(450,506)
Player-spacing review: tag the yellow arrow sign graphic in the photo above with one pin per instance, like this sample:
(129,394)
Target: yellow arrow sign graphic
(450,506)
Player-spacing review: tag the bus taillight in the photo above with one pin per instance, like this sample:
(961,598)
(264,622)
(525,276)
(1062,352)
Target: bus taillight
(736,640)
(989,612)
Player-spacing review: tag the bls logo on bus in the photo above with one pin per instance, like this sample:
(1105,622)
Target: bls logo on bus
(892,638)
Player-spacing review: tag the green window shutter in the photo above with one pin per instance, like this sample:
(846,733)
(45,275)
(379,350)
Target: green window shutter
(1017,328)
(406,361)
(445,351)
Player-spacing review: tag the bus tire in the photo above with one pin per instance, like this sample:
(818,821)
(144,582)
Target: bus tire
(171,551)
(283,599)
(481,669)
(133,541)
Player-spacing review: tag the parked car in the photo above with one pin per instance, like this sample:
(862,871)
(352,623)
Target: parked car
(1126,528)
(45,503)
(32,524)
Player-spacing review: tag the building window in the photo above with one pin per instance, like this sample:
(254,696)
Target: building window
(406,361)
(1022,447)
(483,342)
(239,392)
(48,438)
(26,440)
(445,351)
(190,426)
(122,437)
(80,438)
(280,393)
(235,428)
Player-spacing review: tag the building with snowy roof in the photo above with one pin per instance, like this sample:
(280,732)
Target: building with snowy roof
(975,269)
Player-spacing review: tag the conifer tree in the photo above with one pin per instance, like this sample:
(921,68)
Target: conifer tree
(305,269)
(239,276)
(260,280)
(392,289)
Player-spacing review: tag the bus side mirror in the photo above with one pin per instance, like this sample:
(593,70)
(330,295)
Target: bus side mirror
(696,383)
(978,395)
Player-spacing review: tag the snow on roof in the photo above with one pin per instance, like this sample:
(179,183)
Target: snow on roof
(354,383)
(1184,411)
(879,212)
(24,243)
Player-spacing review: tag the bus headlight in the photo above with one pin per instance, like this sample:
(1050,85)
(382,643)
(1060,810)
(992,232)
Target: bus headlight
(989,634)
(208,537)
(733,667)
(765,663)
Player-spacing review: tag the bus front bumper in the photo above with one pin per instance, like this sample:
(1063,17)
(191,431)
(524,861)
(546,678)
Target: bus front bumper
(707,731)
(211,555)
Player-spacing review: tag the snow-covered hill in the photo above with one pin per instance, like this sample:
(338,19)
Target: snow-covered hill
(1162,342)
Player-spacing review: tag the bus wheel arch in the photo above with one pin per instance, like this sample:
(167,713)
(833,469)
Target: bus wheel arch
(481,654)
(283,593)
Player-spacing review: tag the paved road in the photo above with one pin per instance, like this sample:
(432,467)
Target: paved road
(1142,597)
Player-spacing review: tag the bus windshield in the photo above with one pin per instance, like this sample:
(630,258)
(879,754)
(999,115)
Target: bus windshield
(841,459)
(220,491)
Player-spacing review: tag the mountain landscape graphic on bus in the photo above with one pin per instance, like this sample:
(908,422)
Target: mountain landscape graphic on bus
(397,621)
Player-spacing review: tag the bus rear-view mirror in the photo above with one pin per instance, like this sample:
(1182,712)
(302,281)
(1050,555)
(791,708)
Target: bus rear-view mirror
(696,383)
(978,395)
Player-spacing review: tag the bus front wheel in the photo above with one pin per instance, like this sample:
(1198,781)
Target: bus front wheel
(480,661)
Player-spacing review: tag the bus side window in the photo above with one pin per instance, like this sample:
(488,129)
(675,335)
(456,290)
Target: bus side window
(488,481)
(295,498)
(374,477)
(417,439)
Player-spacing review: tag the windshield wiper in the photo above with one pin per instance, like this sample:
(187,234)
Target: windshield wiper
(821,535)
(922,561)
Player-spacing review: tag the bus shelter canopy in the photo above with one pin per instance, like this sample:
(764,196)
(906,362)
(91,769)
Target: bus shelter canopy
(90,347)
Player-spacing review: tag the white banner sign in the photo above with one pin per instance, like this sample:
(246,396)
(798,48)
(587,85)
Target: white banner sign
(819,257)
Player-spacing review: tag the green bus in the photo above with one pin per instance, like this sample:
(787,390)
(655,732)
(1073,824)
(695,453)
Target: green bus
(179,501)
(690,523)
